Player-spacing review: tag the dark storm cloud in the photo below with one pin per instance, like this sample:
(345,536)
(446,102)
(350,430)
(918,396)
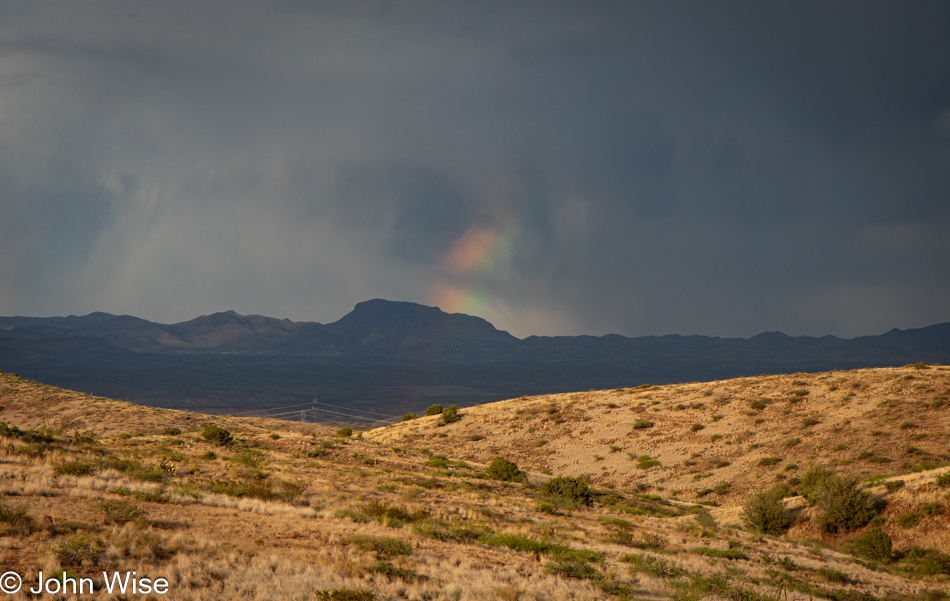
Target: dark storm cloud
(557,167)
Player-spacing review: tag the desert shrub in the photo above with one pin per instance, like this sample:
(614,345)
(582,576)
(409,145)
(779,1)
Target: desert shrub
(390,515)
(697,427)
(813,480)
(216,435)
(408,417)
(943,479)
(77,549)
(842,506)
(908,520)
(580,570)
(724,553)
(344,432)
(765,512)
(566,492)
(120,511)
(644,462)
(792,442)
(293,490)
(766,461)
(434,409)
(559,552)
(758,405)
(210,456)
(641,423)
(393,572)
(19,518)
(654,566)
(932,509)
(451,414)
(438,461)
(384,546)
(134,469)
(75,468)
(504,470)
(253,458)
(874,544)
(171,431)
(345,594)
(926,562)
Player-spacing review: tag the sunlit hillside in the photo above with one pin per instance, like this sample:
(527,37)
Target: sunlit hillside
(626,494)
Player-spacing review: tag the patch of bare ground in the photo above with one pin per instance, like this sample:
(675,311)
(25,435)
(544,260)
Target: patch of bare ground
(652,506)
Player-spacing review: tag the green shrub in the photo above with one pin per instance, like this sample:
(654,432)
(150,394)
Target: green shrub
(580,570)
(874,544)
(344,432)
(697,427)
(926,562)
(75,468)
(559,552)
(120,511)
(384,546)
(566,492)
(210,456)
(641,423)
(393,572)
(758,405)
(724,553)
(908,520)
(434,409)
(447,531)
(18,517)
(170,431)
(451,414)
(932,509)
(766,461)
(654,566)
(408,417)
(253,458)
(813,480)
(943,479)
(765,513)
(77,549)
(644,462)
(216,435)
(504,470)
(842,506)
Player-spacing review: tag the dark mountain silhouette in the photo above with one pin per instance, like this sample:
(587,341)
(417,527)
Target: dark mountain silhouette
(394,356)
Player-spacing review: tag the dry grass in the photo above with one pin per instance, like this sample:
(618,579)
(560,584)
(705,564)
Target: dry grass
(288,523)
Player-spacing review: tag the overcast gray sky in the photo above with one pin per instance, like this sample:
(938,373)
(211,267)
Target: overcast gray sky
(720,168)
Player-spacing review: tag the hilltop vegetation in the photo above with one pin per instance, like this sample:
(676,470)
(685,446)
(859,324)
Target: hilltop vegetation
(827,485)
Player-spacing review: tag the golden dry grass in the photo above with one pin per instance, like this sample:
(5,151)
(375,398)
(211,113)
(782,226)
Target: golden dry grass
(289,525)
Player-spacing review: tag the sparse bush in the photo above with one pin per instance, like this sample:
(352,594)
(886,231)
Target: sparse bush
(926,562)
(75,468)
(932,509)
(842,506)
(408,417)
(566,492)
(580,570)
(644,462)
(908,520)
(765,513)
(18,517)
(216,435)
(77,549)
(393,572)
(943,479)
(766,461)
(344,432)
(451,414)
(758,405)
(874,544)
(170,431)
(434,409)
(120,511)
(641,423)
(697,427)
(504,470)
(448,531)
(210,456)
(654,566)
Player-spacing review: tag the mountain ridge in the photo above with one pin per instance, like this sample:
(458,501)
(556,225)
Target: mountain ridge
(397,356)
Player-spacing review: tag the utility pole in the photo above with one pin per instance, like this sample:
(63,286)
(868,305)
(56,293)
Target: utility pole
(315,407)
